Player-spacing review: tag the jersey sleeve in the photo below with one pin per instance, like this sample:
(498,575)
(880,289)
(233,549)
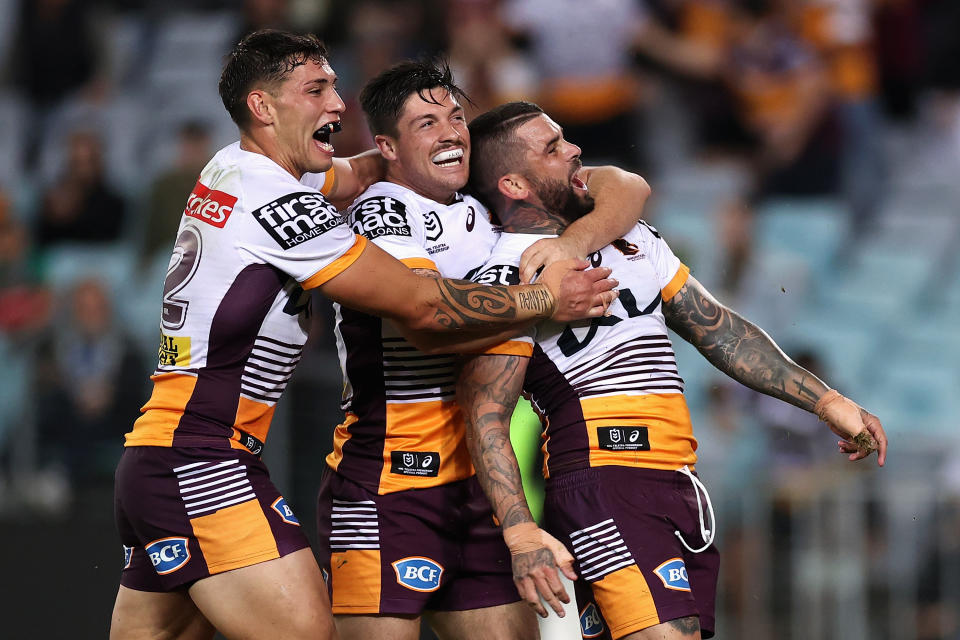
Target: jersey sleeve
(393,224)
(322,182)
(671,273)
(503,269)
(300,233)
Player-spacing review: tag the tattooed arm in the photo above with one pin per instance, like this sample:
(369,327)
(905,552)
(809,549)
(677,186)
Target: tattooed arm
(379,284)
(487,391)
(747,354)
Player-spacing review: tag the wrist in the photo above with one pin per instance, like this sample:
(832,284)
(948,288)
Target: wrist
(535,301)
(522,537)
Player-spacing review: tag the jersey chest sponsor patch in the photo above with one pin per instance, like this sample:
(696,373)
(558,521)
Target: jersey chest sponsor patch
(415,463)
(168,554)
(623,438)
(297,217)
(380,216)
(673,574)
(591,624)
(505,274)
(418,573)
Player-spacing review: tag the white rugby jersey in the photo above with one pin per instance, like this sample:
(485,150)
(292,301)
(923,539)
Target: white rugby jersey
(608,389)
(251,239)
(403,428)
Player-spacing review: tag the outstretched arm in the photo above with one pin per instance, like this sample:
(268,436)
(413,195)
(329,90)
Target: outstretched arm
(747,354)
(619,198)
(487,391)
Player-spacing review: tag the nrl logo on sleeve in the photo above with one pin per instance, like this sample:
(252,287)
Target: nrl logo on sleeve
(591,624)
(673,574)
(297,217)
(168,554)
(498,274)
(418,573)
(280,506)
(209,205)
(432,226)
(380,216)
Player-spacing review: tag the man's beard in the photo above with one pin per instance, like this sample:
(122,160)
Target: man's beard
(561,198)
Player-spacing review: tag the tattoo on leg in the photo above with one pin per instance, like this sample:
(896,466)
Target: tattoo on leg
(687,626)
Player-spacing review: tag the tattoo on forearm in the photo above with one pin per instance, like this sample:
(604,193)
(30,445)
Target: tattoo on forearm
(487,391)
(687,626)
(739,348)
(467,304)
(535,299)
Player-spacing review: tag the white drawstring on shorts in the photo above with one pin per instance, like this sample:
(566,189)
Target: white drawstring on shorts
(705,533)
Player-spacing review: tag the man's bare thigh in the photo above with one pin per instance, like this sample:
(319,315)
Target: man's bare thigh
(679,629)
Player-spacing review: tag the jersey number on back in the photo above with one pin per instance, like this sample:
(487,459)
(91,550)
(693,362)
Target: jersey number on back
(183,266)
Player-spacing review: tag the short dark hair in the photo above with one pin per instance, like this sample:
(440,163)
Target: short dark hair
(496,150)
(264,57)
(382,98)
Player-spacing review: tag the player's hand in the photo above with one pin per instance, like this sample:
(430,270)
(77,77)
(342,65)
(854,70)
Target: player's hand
(579,294)
(545,252)
(861,431)
(536,556)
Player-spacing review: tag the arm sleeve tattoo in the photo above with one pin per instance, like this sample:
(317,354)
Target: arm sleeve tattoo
(487,390)
(739,348)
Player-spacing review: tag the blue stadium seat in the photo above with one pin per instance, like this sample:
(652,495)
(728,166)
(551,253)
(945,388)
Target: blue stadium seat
(810,228)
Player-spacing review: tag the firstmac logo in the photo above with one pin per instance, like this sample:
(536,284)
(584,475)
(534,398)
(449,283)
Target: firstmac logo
(297,217)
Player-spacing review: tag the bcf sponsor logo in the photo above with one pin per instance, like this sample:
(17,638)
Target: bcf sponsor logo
(591,624)
(127,556)
(168,554)
(280,506)
(418,573)
(673,574)
(209,205)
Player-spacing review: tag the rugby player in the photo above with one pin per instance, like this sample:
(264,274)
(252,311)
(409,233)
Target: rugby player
(209,542)
(618,445)
(405,530)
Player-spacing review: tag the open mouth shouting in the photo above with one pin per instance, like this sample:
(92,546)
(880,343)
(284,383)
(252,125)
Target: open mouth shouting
(575,181)
(322,135)
(449,158)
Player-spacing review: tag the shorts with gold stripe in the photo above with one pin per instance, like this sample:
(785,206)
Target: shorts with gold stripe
(619,523)
(187,513)
(401,553)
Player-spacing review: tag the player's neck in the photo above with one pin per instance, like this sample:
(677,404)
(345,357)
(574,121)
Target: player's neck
(521,216)
(440,196)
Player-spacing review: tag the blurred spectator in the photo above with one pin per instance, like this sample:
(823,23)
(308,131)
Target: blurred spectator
(263,14)
(842,33)
(81,206)
(89,386)
(484,63)
(54,55)
(783,91)
(169,191)
(24,302)
(583,53)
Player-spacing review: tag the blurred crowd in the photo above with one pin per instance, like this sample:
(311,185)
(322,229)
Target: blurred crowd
(109,110)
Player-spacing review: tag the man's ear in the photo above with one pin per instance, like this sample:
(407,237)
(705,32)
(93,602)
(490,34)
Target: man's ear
(387,147)
(514,186)
(261,106)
